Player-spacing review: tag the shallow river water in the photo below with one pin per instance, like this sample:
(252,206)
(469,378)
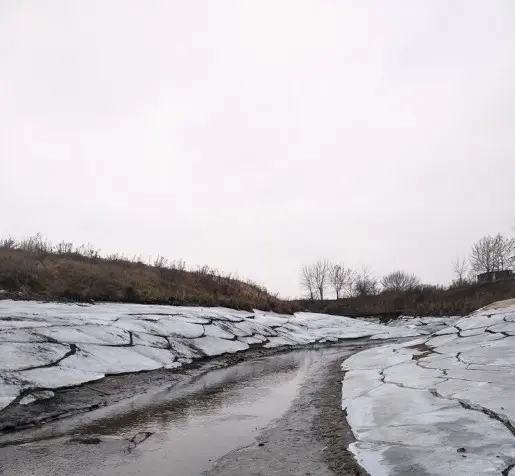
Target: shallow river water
(177,431)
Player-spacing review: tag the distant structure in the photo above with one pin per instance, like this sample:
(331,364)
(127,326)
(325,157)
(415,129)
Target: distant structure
(493,276)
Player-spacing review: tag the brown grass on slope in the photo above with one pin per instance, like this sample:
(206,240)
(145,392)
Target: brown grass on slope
(34,268)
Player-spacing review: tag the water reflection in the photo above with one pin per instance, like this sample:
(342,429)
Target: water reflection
(193,424)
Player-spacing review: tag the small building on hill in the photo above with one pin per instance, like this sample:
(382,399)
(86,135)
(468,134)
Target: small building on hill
(493,276)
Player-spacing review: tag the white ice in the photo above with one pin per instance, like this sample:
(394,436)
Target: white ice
(441,407)
(53,345)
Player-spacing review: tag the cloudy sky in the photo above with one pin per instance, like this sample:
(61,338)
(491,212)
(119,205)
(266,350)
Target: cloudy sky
(258,135)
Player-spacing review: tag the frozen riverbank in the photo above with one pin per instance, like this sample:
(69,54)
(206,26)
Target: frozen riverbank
(440,405)
(48,346)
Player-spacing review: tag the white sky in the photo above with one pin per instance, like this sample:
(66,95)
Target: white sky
(258,135)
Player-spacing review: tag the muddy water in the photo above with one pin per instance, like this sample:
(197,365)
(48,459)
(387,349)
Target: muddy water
(190,426)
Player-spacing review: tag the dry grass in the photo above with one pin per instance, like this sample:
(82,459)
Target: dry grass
(34,268)
(426,301)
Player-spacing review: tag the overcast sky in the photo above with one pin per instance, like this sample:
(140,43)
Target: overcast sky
(258,135)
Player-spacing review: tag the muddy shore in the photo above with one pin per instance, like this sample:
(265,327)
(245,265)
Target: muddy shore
(311,439)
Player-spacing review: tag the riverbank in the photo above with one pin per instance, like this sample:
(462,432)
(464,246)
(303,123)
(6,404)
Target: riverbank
(113,389)
(440,405)
(52,346)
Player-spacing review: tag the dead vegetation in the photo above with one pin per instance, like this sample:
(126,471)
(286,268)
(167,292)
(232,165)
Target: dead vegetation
(34,268)
(423,300)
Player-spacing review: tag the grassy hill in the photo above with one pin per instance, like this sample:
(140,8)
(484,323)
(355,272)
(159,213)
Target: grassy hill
(36,269)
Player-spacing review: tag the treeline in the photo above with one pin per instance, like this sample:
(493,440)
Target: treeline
(490,253)
(323,278)
(35,268)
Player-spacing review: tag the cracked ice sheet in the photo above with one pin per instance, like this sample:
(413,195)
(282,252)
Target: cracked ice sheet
(217,331)
(20,335)
(463,344)
(408,430)
(468,323)
(271,319)
(398,333)
(167,326)
(87,334)
(109,360)
(27,327)
(324,325)
(357,383)
(9,391)
(18,356)
(35,396)
(377,358)
(448,428)
(253,340)
(447,330)
(415,431)
(150,340)
(279,342)
(56,377)
(185,349)
(503,327)
(213,346)
(497,397)
(439,340)
(300,335)
(226,314)
(413,376)
(165,357)
(383,459)
(500,352)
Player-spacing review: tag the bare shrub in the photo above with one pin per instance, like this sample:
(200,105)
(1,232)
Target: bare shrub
(178,265)
(160,262)
(8,243)
(365,284)
(461,271)
(36,245)
(399,281)
(64,248)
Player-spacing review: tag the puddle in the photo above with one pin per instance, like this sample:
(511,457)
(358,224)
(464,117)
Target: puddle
(192,425)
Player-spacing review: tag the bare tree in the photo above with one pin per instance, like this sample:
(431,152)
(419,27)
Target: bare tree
(321,271)
(340,278)
(461,269)
(365,284)
(307,281)
(482,259)
(504,252)
(492,253)
(399,281)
